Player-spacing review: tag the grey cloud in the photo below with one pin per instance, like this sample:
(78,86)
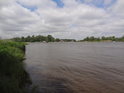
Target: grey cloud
(74,20)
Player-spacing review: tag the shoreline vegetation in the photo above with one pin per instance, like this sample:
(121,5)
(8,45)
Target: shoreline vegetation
(13,76)
(50,38)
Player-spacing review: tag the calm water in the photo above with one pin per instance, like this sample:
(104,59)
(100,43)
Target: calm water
(76,67)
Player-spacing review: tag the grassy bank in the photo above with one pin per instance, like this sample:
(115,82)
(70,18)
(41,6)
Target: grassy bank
(13,77)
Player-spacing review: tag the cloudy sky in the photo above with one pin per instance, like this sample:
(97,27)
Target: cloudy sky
(61,18)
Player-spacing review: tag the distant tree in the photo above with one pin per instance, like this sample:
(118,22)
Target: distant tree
(50,38)
(22,39)
(92,38)
(103,38)
(86,39)
(57,40)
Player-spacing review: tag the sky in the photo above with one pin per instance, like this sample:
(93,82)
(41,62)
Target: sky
(61,18)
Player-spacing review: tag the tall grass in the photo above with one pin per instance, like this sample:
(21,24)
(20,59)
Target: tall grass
(13,77)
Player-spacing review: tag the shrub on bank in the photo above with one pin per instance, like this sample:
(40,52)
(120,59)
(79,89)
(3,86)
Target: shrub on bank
(13,76)
(7,43)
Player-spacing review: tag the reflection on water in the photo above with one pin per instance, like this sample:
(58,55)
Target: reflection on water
(76,67)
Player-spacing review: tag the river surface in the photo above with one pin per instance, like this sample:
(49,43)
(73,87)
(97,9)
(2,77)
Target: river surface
(76,67)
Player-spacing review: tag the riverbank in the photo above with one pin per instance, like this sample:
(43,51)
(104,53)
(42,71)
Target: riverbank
(13,76)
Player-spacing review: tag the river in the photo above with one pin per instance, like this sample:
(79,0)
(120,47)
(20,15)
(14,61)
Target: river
(76,67)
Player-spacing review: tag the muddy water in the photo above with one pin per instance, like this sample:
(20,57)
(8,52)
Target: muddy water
(76,67)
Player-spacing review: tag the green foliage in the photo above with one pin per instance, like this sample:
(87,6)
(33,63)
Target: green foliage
(13,76)
(92,38)
(50,38)
(7,43)
(68,40)
(57,40)
(40,38)
(103,38)
(33,38)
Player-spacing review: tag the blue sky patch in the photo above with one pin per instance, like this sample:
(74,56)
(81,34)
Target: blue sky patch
(59,3)
(98,3)
(112,2)
(31,8)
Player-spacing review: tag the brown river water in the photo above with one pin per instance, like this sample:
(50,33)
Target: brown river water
(76,67)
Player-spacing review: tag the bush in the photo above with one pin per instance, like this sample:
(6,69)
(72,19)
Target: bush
(13,76)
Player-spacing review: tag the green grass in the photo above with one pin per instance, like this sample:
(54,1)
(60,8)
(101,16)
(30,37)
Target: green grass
(13,77)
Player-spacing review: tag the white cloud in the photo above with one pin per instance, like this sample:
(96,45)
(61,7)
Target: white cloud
(118,8)
(107,2)
(74,20)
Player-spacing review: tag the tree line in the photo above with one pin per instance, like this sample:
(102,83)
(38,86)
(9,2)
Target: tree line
(40,38)
(103,38)
(50,38)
